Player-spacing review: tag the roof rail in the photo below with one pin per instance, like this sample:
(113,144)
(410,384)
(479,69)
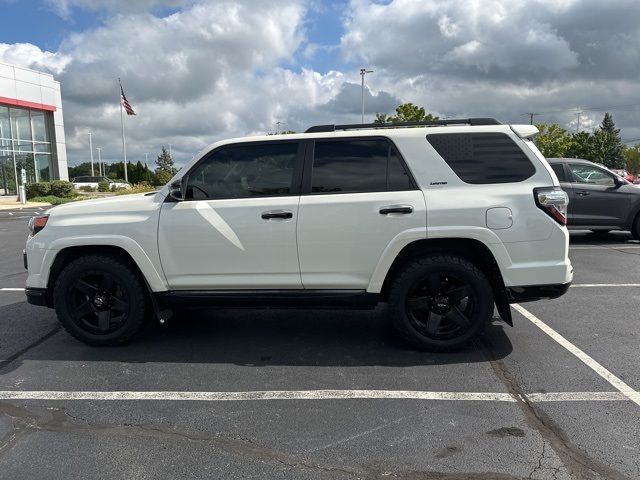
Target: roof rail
(432,123)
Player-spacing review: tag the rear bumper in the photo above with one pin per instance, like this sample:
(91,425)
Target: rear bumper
(529,293)
(36,296)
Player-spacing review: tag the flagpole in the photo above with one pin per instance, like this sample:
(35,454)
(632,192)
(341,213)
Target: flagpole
(124,143)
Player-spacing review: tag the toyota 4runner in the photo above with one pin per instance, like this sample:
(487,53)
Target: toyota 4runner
(442,220)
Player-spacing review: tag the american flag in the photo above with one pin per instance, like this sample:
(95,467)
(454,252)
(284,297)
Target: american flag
(125,102)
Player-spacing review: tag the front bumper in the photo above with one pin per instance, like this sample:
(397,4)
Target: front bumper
(530,293)
(37,296)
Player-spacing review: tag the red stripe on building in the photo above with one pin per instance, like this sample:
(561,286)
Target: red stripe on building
(23,103)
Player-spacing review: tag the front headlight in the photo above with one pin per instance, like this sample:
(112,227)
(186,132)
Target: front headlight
(37,223)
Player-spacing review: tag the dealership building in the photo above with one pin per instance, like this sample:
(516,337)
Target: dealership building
(31,128)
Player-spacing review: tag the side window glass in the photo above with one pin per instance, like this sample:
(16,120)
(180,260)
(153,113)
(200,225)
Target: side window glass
(399,179)
(558,168)
(591,175)
(358,166)
(245,171)
(483,158)
(352,166)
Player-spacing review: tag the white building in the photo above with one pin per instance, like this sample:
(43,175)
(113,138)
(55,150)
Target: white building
(31,128)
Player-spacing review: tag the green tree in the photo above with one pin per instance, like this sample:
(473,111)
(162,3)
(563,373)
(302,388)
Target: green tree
(610,144)
(632,158)
(553,140)
(165,169)
(407,112)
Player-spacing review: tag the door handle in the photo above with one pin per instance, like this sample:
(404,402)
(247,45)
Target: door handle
(271,214)
(582,193)
(396,209)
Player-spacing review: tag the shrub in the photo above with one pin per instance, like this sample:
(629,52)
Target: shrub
(39,189)
(142,187)
(103,186)
(87,188)
(62,188)
(52,199)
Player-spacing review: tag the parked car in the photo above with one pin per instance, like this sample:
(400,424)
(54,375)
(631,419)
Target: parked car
(599,200)
(443,222)
(93,181)
(624,174)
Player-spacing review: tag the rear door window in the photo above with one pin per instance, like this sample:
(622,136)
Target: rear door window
(481,158)
(358,166)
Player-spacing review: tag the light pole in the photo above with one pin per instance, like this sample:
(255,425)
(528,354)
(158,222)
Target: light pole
(100,161)
(363,72)
(91,152)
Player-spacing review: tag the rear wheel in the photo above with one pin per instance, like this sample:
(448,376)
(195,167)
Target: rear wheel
(100,300)
(440,302)
(635,230)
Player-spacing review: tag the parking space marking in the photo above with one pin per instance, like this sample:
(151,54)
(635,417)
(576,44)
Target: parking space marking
(589,285)
(605,247)
(172,396)
(625,389)
(12,289)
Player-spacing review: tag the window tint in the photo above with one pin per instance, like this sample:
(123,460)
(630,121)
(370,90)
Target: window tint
(245,171)
(558,168)
(479,158)
(592,175)
(357,166)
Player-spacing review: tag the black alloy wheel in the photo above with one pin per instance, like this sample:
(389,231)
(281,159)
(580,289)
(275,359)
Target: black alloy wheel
(441,306)
(98,303)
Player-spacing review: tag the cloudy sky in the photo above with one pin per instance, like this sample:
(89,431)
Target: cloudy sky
(197,71)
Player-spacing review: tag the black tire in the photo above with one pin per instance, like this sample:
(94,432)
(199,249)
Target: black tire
(444,286)
(101,300)
(635,229)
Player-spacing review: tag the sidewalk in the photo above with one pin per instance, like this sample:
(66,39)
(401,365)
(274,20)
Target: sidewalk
(10,203)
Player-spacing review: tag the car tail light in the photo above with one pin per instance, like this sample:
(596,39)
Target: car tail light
(37,223)
(553,201)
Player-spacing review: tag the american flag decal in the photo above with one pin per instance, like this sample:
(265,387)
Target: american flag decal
(125,102)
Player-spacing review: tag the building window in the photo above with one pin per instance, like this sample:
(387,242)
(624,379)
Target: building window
(25,142)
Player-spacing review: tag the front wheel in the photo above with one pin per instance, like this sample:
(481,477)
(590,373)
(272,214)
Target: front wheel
(100,300)
(440,302)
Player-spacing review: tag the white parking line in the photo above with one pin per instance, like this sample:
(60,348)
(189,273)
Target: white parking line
(12,289)
(165,396)
(625,389)
(589,285)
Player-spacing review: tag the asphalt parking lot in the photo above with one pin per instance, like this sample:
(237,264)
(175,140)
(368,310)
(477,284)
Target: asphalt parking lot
(331,394)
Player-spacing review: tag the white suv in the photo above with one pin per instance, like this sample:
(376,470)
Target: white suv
(442,220)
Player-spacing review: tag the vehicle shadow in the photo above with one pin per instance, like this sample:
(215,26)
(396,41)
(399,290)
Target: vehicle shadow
(272,337)
(587,237)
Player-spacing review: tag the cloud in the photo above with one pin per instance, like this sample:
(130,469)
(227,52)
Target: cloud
(65,7)
(31,56)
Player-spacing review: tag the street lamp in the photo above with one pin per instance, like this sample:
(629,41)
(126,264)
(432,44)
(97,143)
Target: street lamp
(363,72)
(91,152)
(100,161)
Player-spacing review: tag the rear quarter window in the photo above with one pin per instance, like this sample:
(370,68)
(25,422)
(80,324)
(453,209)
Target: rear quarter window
(481,158)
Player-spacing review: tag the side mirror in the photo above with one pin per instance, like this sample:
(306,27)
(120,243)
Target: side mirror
(175,191)
(618,181)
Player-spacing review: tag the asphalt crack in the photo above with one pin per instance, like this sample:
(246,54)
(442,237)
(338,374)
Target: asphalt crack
(577,462)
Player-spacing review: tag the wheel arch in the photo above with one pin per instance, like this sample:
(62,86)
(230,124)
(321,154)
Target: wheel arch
(472,250)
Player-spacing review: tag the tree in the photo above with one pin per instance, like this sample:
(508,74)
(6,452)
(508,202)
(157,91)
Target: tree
(553,140)
(611,147)
(407,112)
(165,169)
(632,158)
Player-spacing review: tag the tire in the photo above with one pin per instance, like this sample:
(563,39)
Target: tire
(101,300)
(635,229)
(440,303)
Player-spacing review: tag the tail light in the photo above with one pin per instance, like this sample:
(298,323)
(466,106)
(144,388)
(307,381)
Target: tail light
(553,201)
(37,223)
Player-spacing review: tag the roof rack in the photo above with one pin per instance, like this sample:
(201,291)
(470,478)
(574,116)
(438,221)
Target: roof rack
(433,123)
